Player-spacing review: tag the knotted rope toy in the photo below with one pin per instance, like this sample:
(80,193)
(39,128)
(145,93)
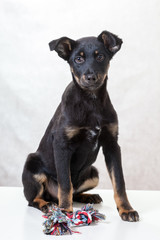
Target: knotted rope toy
(59,223)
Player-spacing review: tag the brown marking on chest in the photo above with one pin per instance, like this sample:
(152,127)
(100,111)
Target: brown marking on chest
(72,131)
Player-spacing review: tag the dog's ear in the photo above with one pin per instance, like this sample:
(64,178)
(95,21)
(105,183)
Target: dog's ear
(63,46)
(111,42)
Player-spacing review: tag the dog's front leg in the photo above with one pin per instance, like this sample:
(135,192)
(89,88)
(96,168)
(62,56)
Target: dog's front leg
(62,157)
(112,155)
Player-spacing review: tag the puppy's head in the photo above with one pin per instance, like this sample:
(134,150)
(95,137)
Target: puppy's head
(88,57)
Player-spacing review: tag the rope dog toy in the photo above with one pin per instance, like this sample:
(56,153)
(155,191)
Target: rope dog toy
(59,223)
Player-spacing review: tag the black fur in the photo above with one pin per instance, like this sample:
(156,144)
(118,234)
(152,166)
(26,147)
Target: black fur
(84,121)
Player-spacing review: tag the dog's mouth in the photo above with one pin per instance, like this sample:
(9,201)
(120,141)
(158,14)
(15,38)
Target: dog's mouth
(89,86)
(92,84)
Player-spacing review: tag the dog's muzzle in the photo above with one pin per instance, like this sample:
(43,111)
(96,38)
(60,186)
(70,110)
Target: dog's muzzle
(91,81)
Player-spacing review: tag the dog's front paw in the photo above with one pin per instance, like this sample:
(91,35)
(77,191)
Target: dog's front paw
(68,210)
(129,215)
(47,207)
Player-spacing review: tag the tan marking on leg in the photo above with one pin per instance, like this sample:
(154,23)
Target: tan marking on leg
(39,195)
(40,178)
(41,202)
(120,200)
(113,129)
(88,184)
(65,199)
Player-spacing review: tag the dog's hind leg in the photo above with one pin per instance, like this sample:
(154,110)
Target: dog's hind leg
(87,181)
(35,180)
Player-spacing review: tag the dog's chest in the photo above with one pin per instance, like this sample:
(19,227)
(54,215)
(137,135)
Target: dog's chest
(92,136)
(88,136)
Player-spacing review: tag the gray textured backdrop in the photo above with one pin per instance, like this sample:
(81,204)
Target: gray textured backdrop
(32,79)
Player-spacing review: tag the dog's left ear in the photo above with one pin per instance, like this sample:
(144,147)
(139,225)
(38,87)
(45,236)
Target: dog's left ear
(63,46)
(111,42)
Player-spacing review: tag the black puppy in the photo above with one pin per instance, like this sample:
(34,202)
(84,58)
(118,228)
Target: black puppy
(61,169)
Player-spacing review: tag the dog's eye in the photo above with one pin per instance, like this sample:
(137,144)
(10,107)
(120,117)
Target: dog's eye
(100,57)
(79,60)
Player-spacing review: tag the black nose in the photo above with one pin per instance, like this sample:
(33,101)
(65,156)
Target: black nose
(91,77)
